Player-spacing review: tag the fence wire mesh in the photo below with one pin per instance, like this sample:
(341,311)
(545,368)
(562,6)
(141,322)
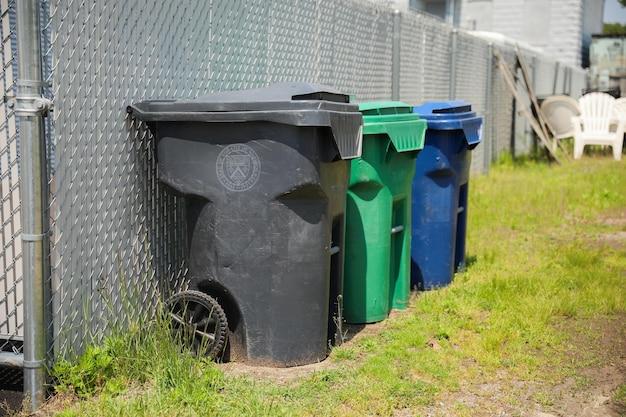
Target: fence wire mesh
(118,235)
(472,60)
(503,108)
(118,240)
(436,41)
(11,303)
(414,62)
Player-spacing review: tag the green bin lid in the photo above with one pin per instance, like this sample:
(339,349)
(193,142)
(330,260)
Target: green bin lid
(395,119)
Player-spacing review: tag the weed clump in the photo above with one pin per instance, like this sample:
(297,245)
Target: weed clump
(141,354)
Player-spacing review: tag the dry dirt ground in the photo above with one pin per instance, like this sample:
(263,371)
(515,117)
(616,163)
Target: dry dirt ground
(588,394)
(285,375)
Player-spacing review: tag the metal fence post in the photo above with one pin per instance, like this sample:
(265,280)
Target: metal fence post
(556,77)
(395,57)
(495,115)
(513,124)
(535,144)
(570,74)
(453,63)
(30,108)
(533,71)
(488,114)
(569,86)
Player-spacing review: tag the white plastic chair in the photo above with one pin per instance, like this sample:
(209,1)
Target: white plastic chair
(593,126)
(619,109)
(559,111)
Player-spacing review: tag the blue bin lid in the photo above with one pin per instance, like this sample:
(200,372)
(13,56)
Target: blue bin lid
(452,115)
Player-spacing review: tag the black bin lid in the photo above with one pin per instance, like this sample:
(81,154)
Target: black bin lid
(298,104)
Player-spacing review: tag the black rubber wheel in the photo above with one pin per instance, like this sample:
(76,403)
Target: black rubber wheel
(199,322)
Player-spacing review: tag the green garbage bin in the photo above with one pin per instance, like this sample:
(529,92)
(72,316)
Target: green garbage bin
(378,212)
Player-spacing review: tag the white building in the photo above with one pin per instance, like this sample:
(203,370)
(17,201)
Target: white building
(562,29)
(448,10)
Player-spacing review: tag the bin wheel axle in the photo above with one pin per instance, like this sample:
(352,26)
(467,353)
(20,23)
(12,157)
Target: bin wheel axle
(198,322)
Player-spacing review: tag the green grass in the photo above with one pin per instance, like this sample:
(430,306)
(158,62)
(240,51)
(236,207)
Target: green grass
(619,397)
(537,263)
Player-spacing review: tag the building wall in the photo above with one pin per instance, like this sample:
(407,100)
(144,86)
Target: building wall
(593,11)
(566,31)
(477,15)
(508,18)
(555,26)
(402,5)
(448,10)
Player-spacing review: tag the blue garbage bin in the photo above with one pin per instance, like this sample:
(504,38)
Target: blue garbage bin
(440,188)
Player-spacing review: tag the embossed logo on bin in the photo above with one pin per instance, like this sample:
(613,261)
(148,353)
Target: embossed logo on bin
(238,167)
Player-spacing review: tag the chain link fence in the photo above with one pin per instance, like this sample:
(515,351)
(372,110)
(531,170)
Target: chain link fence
(11,301)
(117,236)
(472,57)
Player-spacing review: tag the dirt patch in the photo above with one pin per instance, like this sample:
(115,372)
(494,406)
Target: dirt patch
(276,375)
(601,354)
(353,333)
(602,344)
(592,399)
(615,239)
(615,218)
(56,404)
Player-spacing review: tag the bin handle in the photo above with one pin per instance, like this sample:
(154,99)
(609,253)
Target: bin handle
(472,130)
(334,250)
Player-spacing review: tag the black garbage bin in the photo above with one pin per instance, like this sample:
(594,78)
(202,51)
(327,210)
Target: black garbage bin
(264,173)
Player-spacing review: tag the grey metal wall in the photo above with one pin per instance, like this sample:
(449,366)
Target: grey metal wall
(117,235)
